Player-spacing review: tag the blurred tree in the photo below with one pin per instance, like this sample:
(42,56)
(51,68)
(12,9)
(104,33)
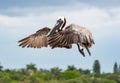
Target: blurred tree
(80,70)
(87,71)
(43,70)
(22,71)
(71,68)
(115,68)
(1,67)
(96,67)
(54,73)
(31,68)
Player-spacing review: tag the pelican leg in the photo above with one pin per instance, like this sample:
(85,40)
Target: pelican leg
(88,50)
(81,50)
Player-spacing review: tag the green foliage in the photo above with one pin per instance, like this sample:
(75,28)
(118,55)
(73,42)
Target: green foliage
(70,74)
(108,81)
(115,77)
(56,75)
(103,80)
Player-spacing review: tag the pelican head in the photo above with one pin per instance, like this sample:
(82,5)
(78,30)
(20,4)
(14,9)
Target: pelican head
(61,18)
(61,21)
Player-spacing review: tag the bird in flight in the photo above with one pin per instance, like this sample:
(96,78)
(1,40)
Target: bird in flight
(61,37)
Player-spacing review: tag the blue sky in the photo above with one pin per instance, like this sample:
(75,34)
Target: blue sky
(20,18)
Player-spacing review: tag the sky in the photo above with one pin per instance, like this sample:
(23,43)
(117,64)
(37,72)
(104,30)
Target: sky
(20,18)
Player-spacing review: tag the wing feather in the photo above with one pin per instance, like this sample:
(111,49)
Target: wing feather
(36,40)
(60,39)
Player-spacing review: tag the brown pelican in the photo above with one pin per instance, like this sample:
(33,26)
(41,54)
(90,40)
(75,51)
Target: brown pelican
(57,37)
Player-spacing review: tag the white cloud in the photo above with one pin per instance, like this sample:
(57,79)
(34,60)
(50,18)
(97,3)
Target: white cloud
(97,19)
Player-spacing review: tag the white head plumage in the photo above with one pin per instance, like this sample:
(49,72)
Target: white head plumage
(61,17)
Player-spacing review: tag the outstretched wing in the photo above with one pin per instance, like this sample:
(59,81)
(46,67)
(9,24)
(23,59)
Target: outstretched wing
(72,34)
(36,40)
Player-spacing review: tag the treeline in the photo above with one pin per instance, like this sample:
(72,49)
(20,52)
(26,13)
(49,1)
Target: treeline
(31,74)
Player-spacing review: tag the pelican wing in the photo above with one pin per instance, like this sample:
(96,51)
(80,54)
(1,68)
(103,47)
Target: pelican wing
(36,40)
(61,39)
(72,34)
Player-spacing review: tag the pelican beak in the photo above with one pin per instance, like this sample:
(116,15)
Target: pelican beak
(56,27)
